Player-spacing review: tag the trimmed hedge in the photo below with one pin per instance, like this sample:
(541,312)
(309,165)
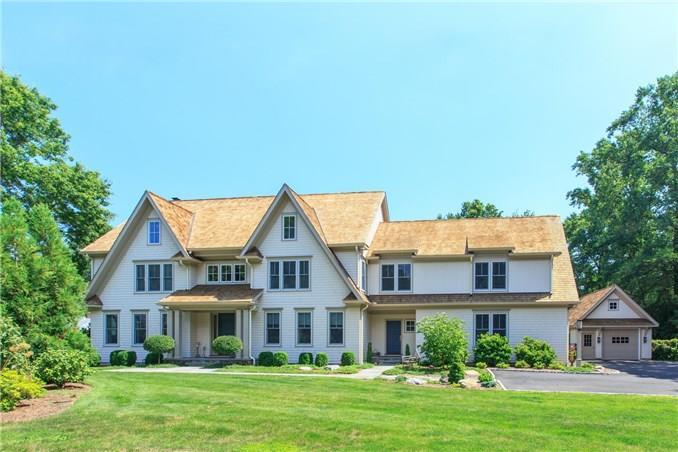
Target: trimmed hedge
(347,359)
(157,345)
(492,349)
(306,358)
(122,358)
(153,358)
(665,349)
(321,360)
(265,359)
(535,352)
(280,359)
(227,345)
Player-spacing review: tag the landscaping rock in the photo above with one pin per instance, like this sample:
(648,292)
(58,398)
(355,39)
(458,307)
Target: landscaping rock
(305,368)
(415,381)
(332,367)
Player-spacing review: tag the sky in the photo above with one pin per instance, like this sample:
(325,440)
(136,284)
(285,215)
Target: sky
(434,103)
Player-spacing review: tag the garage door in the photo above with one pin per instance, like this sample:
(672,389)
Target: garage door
(620,344)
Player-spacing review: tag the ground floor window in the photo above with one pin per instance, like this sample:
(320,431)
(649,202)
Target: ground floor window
(620,339)
(111,328)
(163,323)
(140,325)
(336,326)
(587,340)
(491,323)
(410,326)
(304,329)
(272,328)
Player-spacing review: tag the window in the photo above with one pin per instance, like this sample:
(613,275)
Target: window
(139,323)
(289,223)
(111,329)
(239,272)
(163,323)
(482,277)
(404,277)
(387,277)
(498,275)
(296,275)
(620,339)
(226,273)
(272,328)
(212,273)
(363,279)
(613,305)
(167,271)
(304,328)
(491,323)
(588,340)
(336,320)
(274,275)
(490,276)
(153,277)
(154,232)
(410,326)
(141,278)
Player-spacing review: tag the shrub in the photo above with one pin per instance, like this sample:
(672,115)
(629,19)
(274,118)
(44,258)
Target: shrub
(444,340)
(456,373)
(400,379)
(539,365)
(347,359)
(665,349)
(503,365)
(321,359)
(131,358)
(62,366)
(118,358)
(520,364)
(15,386)
(368,356)
(586,365)
(492,349)
(306,358)
(15,351)
(481,365)
(280,359)
(227,345)
(77,340)
(534,351)
(153,358)
(157,345)
(557,365)
(572,354)
(485,377)
(407,350)
(265,359)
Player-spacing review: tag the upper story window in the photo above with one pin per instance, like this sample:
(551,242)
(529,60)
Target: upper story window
(292,274)
(489,275)
(154,277)
(401,283)
(613,305)
(154,232)
(289,225)
(226,273)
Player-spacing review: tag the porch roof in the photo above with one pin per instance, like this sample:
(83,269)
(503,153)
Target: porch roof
(617,322)
(212,295)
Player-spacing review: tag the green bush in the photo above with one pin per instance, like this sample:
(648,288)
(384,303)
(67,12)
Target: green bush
(118,358)
(157,345)
(15,351)
(368,356)
(481,365)
(153,358)
(587,365)
(306,358)
(280,359)
(557,365)
(520,364)
(534,351)
(15,386)
(539,365)
(131,358)
(62,366)
(492,349)
(444,340)
(400,379)
(456,373)
(227,345)
(321,359)
(503,365)
(265,359)
(77,340)
(485,377)
(665,349)
(347,359)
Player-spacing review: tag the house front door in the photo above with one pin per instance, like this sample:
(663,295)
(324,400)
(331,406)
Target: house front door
(393,330)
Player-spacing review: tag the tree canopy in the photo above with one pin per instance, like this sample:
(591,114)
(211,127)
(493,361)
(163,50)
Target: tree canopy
(37,169)
(473,209)
(626,230)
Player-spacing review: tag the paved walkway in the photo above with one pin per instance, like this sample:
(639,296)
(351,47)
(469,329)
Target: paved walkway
(363,374)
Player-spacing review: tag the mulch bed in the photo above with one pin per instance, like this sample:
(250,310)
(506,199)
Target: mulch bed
(53,402)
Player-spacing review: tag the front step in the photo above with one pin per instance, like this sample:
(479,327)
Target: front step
(388,360)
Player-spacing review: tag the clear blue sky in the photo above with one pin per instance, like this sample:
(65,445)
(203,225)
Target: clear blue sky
(436,103)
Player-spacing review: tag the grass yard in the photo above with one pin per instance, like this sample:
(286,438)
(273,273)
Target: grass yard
(294,369)
(218,411)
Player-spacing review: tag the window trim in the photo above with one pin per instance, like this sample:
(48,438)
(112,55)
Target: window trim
(266,342)
(164,314)
(224,264)
(588,336)
(396,279)
(117,324)
(282,226)
(145,264)
(329,328)
(281,276)
(407,322)
(609,304)
(134,313)
(148,231)
(490,274)
(296,327)
(490,325)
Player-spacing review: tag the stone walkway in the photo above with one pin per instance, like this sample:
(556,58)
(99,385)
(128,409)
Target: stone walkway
(363,374)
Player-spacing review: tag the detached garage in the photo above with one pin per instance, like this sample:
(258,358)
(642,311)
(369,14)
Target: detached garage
(608,324)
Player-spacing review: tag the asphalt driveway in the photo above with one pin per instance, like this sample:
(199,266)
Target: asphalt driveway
(645,377)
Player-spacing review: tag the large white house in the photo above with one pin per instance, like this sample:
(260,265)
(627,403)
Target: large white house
(321,273)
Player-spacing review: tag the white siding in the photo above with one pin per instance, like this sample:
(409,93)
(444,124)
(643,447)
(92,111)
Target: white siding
(96,263)
(351,261)
(602,312)
(441,277)
(529,275)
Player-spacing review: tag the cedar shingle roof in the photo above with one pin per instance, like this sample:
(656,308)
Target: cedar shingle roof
(586,303)
(218,293)
(105,242)
(178,218)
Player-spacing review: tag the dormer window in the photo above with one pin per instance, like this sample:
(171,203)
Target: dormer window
(289,225)
(154,232)
(400,283)
(613,305)
(489,275)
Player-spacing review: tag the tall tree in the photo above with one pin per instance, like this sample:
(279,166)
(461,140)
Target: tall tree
(37,169)
(473,209)
(627,229)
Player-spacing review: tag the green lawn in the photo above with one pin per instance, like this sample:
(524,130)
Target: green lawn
(218,411)
(294,369)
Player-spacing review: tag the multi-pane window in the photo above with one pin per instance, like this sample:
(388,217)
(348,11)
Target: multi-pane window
(304,328)
(498,275)
(336,321)
(491,323)
(141,278)
(153,277)
(163,323)
(167,270)
(111,329)
(482,277)
(403,282)
(212,273)
(226,273)
(387,277)
(154,232)
(490,276)
(289,274)
(588,340)
(410,326)
(613,305)
(404,277)
(139,322)
(239,272)
(272,328)
(289,225)
(620,339)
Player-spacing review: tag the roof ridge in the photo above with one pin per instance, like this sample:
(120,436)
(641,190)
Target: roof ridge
(266,196)
(342,192)
(223,198)
(170,202)
(433,220)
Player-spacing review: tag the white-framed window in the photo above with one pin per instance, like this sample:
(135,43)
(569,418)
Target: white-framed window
(396,277)
(410,326)
(588,340)
(613,305)
(154,232)
(490,323)
(139,327)
(336,327)
(154,277)
(273,328)
(289,274)
(163,323)
(620,339)
(304,327)
(111,328)
(490,276)
(289,227)
(220,273)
